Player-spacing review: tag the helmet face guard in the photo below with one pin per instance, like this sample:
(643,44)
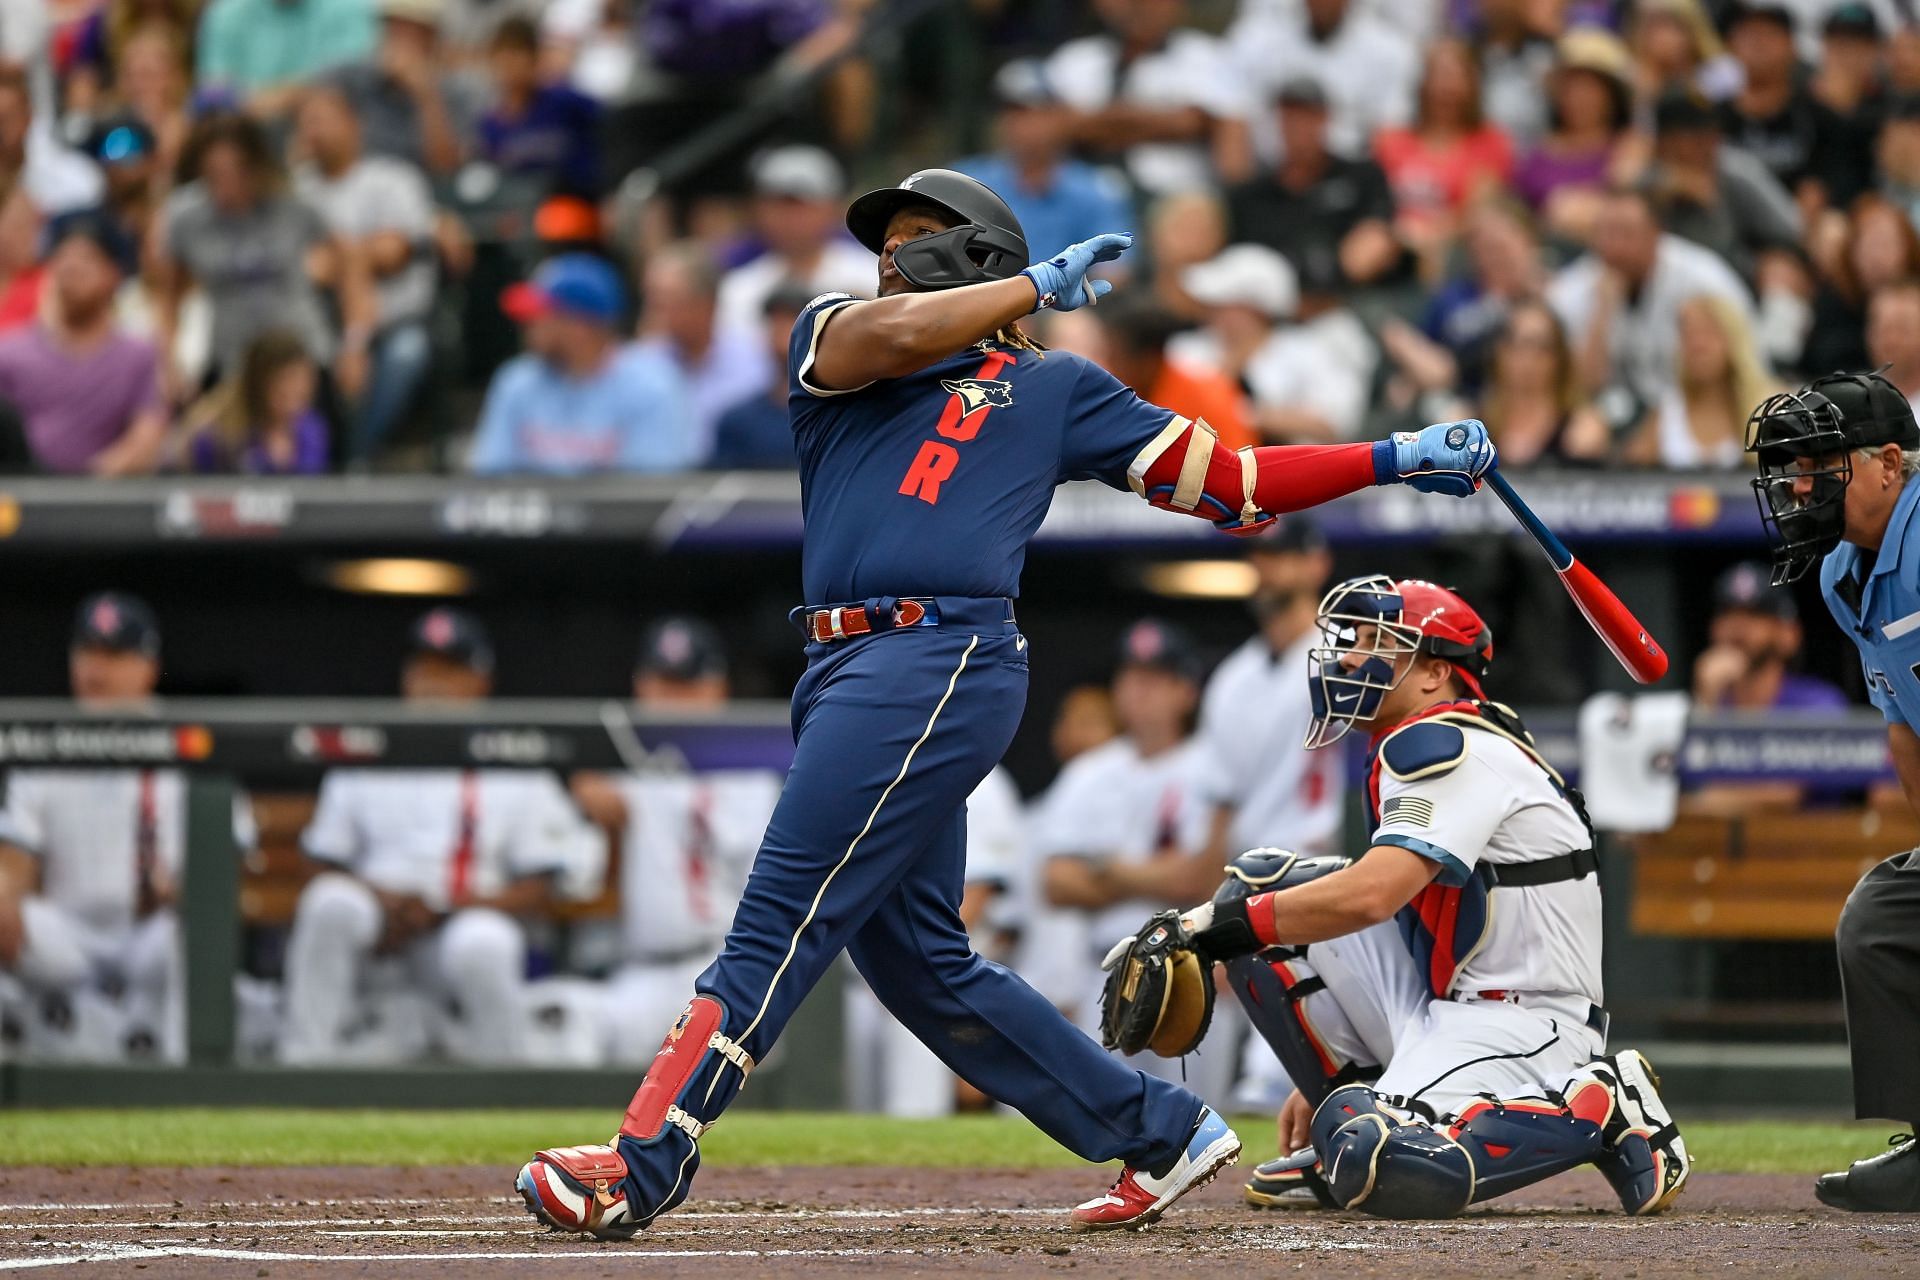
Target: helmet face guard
(968,254)
(1805,464)
(1364,634)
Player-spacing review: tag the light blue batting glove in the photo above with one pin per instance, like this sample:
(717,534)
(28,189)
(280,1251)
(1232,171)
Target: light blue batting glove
(1061,281)
(1448,457)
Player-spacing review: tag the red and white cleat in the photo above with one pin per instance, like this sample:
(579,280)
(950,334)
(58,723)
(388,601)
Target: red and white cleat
(578,1189)
(1137,1198)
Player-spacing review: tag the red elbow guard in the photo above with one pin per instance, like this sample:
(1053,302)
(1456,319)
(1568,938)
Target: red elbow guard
(1187,469)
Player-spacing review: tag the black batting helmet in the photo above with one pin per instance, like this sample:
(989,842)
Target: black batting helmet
(988,243)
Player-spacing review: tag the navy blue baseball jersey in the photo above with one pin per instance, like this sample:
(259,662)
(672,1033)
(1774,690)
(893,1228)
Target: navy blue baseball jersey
(932,484)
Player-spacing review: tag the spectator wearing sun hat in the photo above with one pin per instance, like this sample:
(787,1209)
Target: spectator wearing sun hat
(578,401)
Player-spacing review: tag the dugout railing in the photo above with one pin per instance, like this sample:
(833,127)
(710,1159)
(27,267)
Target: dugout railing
(281,744)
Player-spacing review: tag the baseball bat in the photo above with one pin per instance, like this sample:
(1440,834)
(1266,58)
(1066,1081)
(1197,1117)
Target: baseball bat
(1612,621)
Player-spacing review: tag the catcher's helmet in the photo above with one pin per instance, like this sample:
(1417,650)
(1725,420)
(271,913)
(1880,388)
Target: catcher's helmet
(988,243)
(1803,443)
(1410,616)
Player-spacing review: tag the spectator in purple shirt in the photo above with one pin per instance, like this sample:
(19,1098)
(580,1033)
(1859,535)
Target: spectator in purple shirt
(1747,666)
(88,394)
(547,130)
(262,421)
(1751,647)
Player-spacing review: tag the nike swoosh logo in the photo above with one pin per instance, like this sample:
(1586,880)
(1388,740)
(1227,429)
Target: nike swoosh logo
(1339,701)
(1019,642)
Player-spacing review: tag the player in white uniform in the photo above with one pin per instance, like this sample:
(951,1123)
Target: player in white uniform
(1437,1000)
(686,842)
(888,1069)
(1120,831)
(90,864)
(432,873)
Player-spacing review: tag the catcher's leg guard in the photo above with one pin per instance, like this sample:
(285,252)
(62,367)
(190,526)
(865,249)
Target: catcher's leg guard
(1517,1143)
(1645,1159)
(1272,985)
(1384,1160)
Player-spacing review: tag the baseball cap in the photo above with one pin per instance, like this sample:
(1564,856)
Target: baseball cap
(99,227)
(1302,91)
(1683,110)
(454,635)
(681,649)
(1250,275)
(1024,83)
(114,620)
(1852,19)
(801,172)
(118,140)
(576,283)
(1748,586)
(1151,642)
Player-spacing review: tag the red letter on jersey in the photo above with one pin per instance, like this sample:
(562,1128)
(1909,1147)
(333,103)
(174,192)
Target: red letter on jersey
(934,464)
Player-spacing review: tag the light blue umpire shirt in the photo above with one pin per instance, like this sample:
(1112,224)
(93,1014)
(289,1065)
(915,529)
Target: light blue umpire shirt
(1885,625)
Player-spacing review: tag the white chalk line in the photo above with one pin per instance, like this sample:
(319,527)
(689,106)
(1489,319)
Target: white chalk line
(599,1257)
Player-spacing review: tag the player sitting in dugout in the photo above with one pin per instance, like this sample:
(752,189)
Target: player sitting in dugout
(1436,1000)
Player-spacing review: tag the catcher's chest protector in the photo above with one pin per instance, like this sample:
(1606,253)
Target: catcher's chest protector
(1444,925)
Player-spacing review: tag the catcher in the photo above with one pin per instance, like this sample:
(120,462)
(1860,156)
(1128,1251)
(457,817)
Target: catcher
(1436,1000)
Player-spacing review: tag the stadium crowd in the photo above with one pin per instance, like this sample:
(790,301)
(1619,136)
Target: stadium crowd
(302,236)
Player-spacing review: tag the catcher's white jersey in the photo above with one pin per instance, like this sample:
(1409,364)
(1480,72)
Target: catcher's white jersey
(1253,722)
(438,832)
(1496,805)
(689,843)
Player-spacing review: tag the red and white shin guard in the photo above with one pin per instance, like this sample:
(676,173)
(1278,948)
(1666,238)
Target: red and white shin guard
(612,1191)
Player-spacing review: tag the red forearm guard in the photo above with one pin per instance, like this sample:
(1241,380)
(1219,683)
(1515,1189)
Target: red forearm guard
(1187,469)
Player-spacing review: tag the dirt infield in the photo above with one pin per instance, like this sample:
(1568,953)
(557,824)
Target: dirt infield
(294,1224)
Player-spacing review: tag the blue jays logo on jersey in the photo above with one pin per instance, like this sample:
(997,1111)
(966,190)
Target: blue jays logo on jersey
(979,393)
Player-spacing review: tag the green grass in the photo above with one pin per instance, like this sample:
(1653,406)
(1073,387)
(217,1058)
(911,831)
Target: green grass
(299,1137)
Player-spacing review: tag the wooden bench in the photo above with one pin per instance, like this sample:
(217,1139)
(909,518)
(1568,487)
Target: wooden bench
(1773,875)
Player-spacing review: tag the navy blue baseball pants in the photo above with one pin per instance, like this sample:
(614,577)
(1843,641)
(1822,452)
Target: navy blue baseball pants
(866,852)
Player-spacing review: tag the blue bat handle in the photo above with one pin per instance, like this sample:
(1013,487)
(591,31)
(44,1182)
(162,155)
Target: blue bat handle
(1557,554)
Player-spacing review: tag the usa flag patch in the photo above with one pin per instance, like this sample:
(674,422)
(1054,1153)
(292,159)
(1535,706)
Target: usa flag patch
(1408,811)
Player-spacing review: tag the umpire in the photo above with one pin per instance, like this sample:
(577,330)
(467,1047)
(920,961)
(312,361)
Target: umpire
(1837,461)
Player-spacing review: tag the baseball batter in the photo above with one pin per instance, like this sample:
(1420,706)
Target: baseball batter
(1836,484)
(1437,1001)
(931,433)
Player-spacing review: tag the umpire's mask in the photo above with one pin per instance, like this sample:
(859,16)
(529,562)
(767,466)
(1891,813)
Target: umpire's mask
(1805,461)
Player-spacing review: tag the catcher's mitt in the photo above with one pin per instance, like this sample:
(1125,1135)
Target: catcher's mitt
(1159,992)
